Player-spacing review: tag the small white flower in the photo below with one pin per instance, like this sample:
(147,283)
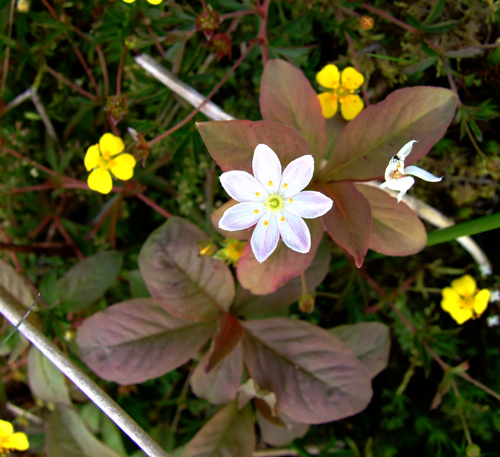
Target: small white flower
(493,321)
(494,296)
(273,201)
(396,175)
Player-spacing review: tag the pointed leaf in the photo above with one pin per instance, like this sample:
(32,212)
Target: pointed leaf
(186,284)
(276,435)
(13,283)
(315,376)
(228,335)
(396,228)
(286,96)
(232,143)
(229,433)
(87,281)
(282,266)
(67,436)
(137,340)
(414,113)
(247,304)
(220,386)
(349,222)
(45,380)
(370,341)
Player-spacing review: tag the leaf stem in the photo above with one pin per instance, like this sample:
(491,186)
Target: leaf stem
(66,81)
(82,381)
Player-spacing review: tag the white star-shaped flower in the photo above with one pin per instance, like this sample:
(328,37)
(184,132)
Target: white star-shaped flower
(273,202)
(396,175)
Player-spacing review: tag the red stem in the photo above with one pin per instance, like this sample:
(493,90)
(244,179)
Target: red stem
(67,238)
(70,84)
(153,205)
(390,18)
(120,70)
(262,35)
(208,97)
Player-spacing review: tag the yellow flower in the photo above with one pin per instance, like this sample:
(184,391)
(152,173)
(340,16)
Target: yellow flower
(153,2)
(342,90)
(463,301)
(232,251)
(99,157)
(10,441)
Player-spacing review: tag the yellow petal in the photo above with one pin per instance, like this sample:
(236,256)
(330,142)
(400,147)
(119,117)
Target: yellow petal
(17,441)
(6,429)
(351,106)
(100,181)
(451,300)
(465,286)
(329,77)
(123,166)
(329,104)
(155,2)
(110,144)
(481,301)
(129,1)
(461,315)
(352,79)
(91,157)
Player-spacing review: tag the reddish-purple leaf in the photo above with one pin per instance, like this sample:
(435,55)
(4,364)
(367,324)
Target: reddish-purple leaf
(286,96)
(232,143)
(186,284)
(228,335)
(276,435)
(220,386)
(137,340)
(237,234)
(315,376)
(370,341)
(283,264)
(246,304)
(229,433)
(396,228)
(349,222)
(414,113)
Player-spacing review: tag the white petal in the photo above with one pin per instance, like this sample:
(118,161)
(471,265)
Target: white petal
(297,175)
(241,216)
(400,184)
(309,204)
(395,165)
(406,149)
(242,186)
(267,167)
(294,232)
(265,237)
(422,174)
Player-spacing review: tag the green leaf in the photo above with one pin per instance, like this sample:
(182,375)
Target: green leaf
(281,266)
(229,433)
(220,386)
(396,229)
(246,304)
(17,287)
(349,222)
(67,436)
(418,113)
(232,143)
(316,378)
(184,283)
(87,281)
(483,224)
(45,380)
(137,340)
(286,96)
(138,288)
(370,341)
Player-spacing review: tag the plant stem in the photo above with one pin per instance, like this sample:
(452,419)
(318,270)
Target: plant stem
(153,205)
(82,381)
(120,70)
(5,69)
(262,35)
(66,81)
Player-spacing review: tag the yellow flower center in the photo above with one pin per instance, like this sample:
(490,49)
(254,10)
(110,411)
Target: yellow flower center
(105,161)
(274,202)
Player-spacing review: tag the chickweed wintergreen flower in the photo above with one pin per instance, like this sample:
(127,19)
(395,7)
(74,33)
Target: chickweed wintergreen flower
(463,300)
(273,201)
(10,441)
(396,175)
(341,88)
(103,158)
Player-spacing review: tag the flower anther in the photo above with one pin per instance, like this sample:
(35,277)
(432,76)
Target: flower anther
(396,175)
(463,300)
(104,158)
(341,88)
(273,202)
